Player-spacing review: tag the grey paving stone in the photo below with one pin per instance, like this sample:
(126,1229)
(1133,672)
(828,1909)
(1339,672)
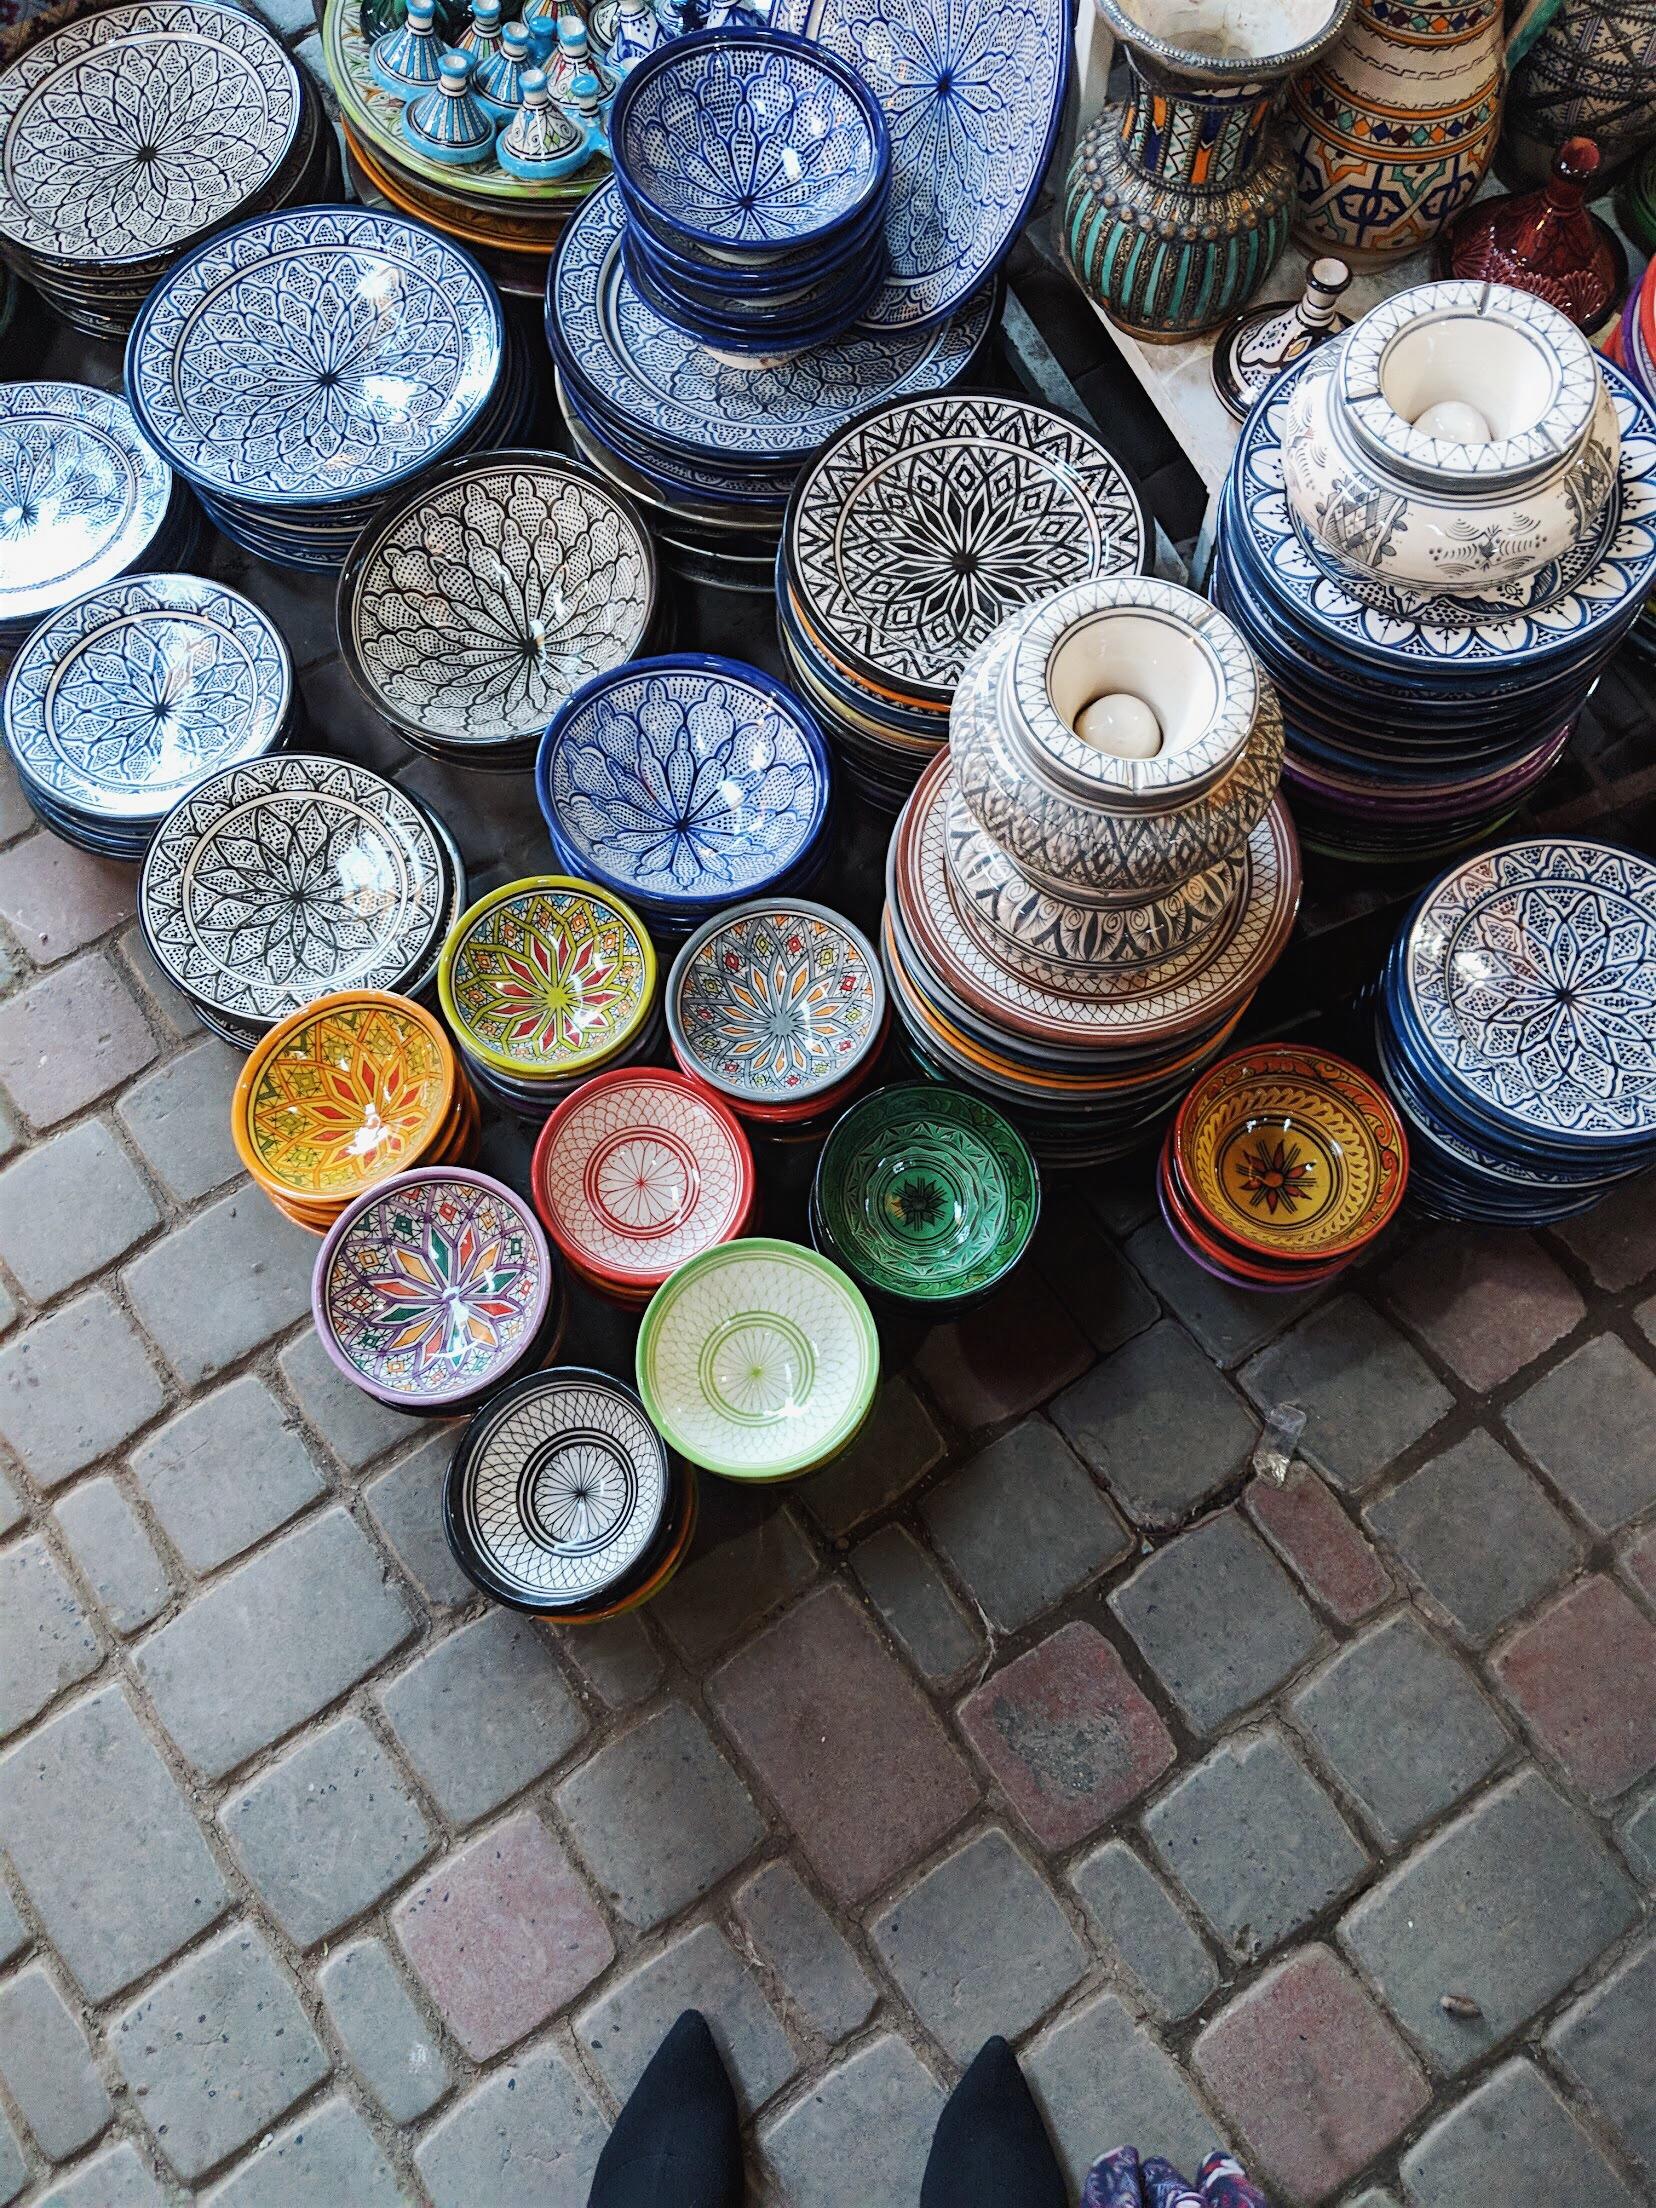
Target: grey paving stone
(355,1428)
(1475,1530)
(617,1659)
(73,1386)
(861,2134)
(328,2154)
(1366,1393)
(915,1604)
(288,18)
(1145,1931)
(1505,1905)
(1097,2072)
(327,1830)
(46,2060)
(1159,1469)
(115,1553)
(71,1038)
(795,1935)
(222,1284)
(622,2029)
(13,1509)
(1637,1834)
(483,1713)
(1371,2197)
(1617,1241)
(659,1816)
(14,1933)
(56,898)
(320,1596)
(383,2033)
(1023,1525)
(1091,1279)
(1588,1424)
(899,1445)
(106,1846)
(528,2116)
(1603,2042)
(1229,1323)
(1512,2141)
(226,1472)
(15,817)
(979,1945)
(406,1503)
(1217,1619)
(1402,1726)
(730,1583)
(1286,1851)
(204,2093)
(117,2178)
(179,1118)
(14,2170)
(47,1641)
(167,1008)
(69,1207)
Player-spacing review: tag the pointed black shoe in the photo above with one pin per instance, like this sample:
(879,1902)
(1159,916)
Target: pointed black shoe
(678,2139)
(990,2144)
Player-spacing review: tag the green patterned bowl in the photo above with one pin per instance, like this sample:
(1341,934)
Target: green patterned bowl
(925,1195)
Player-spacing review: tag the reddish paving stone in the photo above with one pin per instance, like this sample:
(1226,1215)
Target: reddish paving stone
(503,1934)
(58,899)
(815,1705)
(1013,1352)
(1488,1304)
(1582,1676)
(1317,1541)
(1639,1561)
(1068,1735)
(1311,2074)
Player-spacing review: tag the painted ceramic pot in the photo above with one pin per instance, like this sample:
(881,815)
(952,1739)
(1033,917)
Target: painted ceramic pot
(1412,506)
(1547,241)
(1178,201)
(1590,71)
(1393,128)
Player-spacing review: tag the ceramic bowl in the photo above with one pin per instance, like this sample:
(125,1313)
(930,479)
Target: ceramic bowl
(758,1360)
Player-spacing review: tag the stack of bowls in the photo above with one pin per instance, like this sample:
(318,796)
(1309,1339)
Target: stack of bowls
(338,1097)
(1281,1167)
(299,368)
(759,1360)
(754,168)
(683,784)
(913,532)
(291,878)
(1633,348)
(120,704)
(780,1008)
(435,1288)
(563,1502)
(926,1196)
(128,136)
(545,982)
(1436,604)
(1087,887)
(636,1172)
(1516,1031)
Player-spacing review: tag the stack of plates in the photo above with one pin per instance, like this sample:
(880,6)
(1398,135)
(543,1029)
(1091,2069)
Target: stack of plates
(1636,202)
(299,368)
(290,878)
(481,597)
(562,1500)
(908,539)
(543,983)
(926,1196)
(1281,1167)
(120,704)
(684,784)
(1516,1031)
(637,1171)
(436,1287)
(88,498)
(343,1094)
(127,137)
(1416,723)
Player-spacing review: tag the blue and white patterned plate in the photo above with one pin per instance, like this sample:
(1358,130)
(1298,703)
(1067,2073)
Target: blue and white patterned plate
(316,356)
(82,495)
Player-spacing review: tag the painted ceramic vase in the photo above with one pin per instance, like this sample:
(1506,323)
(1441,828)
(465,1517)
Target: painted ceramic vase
(1179,199)
(1591,70)
(498,78)
(1547,241)
(1392,130)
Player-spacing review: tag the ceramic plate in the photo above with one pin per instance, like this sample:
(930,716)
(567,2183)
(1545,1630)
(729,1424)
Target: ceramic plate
(758,1360)
(281,881)
(775,1003)
(547,977)
(81,494)
(315,356)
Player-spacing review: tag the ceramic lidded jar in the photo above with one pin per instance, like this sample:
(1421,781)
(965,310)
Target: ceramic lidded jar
(1458,439)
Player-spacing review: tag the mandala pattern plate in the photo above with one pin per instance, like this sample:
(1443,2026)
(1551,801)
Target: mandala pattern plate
(758,1360)
(557,1490)
(547,977)
(772,1004)
(282,881)
(129,132)
(125,700)
(81,494)
(316,356)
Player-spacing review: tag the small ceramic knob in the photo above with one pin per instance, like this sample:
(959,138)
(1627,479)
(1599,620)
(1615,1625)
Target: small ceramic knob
(1456,421)
(450,124)
(404,60)
(1325,281)
(1120,724)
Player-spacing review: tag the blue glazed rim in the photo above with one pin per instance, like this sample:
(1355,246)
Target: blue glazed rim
(811,55)
(704,663)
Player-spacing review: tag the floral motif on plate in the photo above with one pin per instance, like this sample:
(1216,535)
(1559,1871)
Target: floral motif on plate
(355,1095)
(81,494)
(639,1173)
(548,978)
(776,1002)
